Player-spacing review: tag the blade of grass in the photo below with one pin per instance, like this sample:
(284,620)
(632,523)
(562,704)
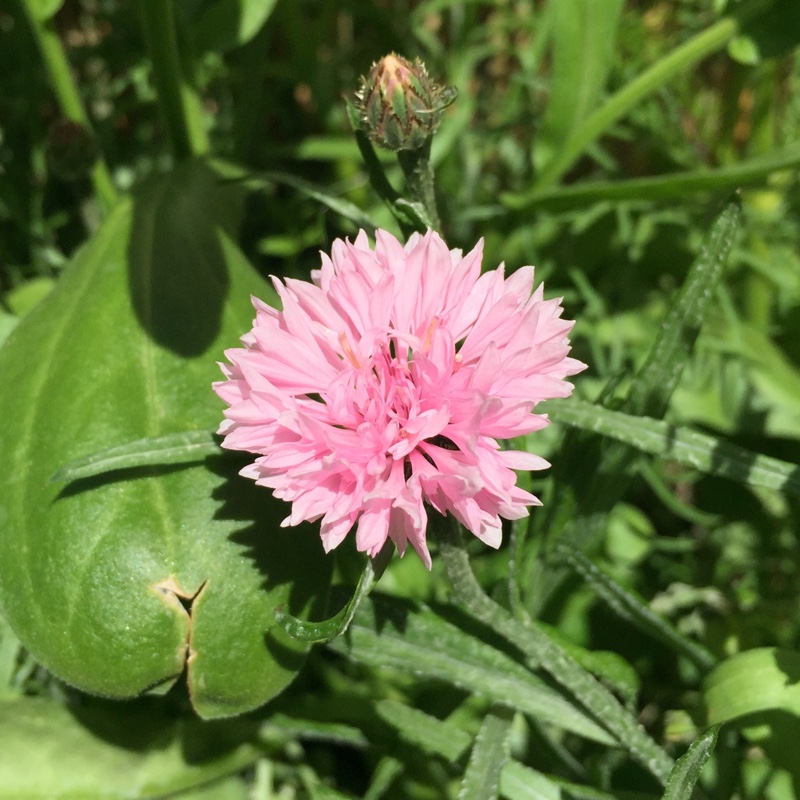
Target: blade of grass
(178,101)
(661,187)
(66,92)
(620,103)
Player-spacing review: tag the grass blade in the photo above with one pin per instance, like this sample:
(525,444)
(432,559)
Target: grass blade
(620,103)
(663,187)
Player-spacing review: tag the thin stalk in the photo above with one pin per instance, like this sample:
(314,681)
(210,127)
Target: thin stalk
(683,57)
(418,171)
(377,177)
(539,648)
(69,101)
(179,103)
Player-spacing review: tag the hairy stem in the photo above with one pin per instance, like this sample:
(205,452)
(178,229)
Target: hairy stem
(540,649)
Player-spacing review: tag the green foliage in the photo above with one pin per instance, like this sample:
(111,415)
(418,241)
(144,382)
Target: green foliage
(654,595)
(114,582)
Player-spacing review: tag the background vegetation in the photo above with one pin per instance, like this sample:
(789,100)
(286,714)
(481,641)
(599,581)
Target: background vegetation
(597,139)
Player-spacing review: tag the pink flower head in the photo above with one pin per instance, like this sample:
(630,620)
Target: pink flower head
(382,388)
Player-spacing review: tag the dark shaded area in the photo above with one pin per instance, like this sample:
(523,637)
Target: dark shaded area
(177,275)
(153,723)
(282,556)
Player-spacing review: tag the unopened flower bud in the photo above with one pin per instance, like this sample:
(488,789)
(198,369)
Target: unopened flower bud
(400,106)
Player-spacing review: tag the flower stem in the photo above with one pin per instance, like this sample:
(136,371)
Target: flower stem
(405,216)
(541,651)
(66,92)
(180,106)
(418,171)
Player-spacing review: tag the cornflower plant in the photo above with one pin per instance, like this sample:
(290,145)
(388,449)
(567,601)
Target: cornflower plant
(171,624)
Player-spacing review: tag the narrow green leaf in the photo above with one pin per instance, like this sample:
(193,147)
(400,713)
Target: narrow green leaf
(634,610)
(662,187)
(604,664)
(413,638)
(584,34)
(185,447)
(489,755)
(672,348)
(312,730)
(680,59)
(686,771)
(678,443)
(424,731)
(518,782)
(549,655)
(317,632)
(384,775)
(591,474)
(336,204)
(762,679)
(444,739)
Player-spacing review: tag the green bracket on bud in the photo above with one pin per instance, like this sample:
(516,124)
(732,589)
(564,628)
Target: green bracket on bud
(399,105)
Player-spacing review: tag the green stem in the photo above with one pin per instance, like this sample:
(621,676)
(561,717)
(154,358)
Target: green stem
(180,105)
(683,57)
(377,177)
(540,649)
(66,92)
(418,171)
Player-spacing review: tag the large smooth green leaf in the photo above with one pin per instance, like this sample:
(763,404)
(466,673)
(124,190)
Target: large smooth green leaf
(120,582)
(110,751)
(762,679)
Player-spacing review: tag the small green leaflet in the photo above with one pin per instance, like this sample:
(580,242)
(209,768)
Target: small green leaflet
(317,632)
(186,447)
(686,771)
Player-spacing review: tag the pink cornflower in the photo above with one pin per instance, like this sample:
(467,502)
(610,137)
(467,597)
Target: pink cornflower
(382,388)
